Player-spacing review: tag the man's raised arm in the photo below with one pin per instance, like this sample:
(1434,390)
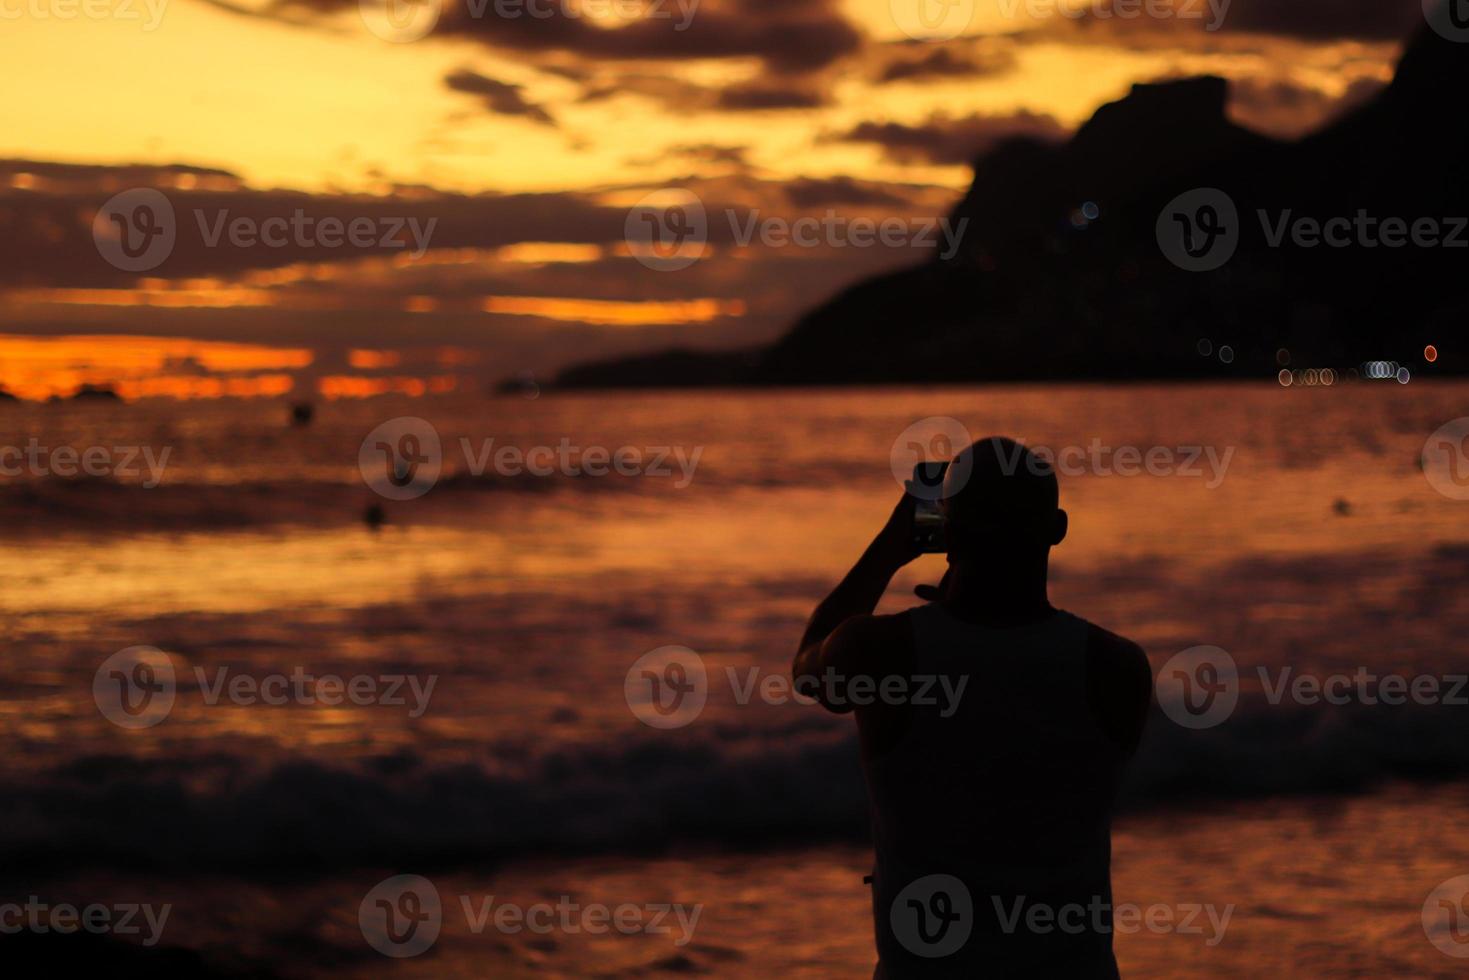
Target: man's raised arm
(836,639)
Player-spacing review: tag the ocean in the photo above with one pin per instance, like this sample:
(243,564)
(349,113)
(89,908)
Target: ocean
(490,621)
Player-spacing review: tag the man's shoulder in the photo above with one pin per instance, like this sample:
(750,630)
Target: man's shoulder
(1119,685)
(871,632)
(1112,649)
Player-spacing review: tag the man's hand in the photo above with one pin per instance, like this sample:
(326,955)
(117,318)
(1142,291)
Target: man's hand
(933,593)
(895,542)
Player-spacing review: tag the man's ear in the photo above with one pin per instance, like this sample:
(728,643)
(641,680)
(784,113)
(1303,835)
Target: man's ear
(1059,528)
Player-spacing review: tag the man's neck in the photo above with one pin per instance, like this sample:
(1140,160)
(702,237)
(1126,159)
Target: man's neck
(1005,593)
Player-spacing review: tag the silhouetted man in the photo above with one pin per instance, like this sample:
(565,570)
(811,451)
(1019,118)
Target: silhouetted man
(993,729)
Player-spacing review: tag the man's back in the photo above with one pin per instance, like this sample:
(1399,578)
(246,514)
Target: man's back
(998,801)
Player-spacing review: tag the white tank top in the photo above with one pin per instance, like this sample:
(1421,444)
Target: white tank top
(1010,795)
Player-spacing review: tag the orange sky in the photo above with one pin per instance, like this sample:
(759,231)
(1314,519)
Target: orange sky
(332,106)
(302,95)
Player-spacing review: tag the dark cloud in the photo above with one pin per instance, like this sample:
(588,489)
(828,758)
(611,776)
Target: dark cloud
(915,63)
(333,298)
(791,37)
(49,239)
(1193,23)
(817,192)
(716,155)
(138,173)
(1369,20)
(499,97)
(945,140)
(674,95)
(766,96)
(1285,108)
(710,153)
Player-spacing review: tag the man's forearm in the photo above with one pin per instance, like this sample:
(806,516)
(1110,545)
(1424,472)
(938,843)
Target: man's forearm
(856,595)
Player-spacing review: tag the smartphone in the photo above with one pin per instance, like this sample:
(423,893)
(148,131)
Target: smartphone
(928,519)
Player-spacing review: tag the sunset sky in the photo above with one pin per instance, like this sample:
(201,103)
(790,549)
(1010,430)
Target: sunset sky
(528,138)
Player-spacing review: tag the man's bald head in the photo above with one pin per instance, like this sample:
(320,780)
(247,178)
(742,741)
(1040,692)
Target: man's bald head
(997,493)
